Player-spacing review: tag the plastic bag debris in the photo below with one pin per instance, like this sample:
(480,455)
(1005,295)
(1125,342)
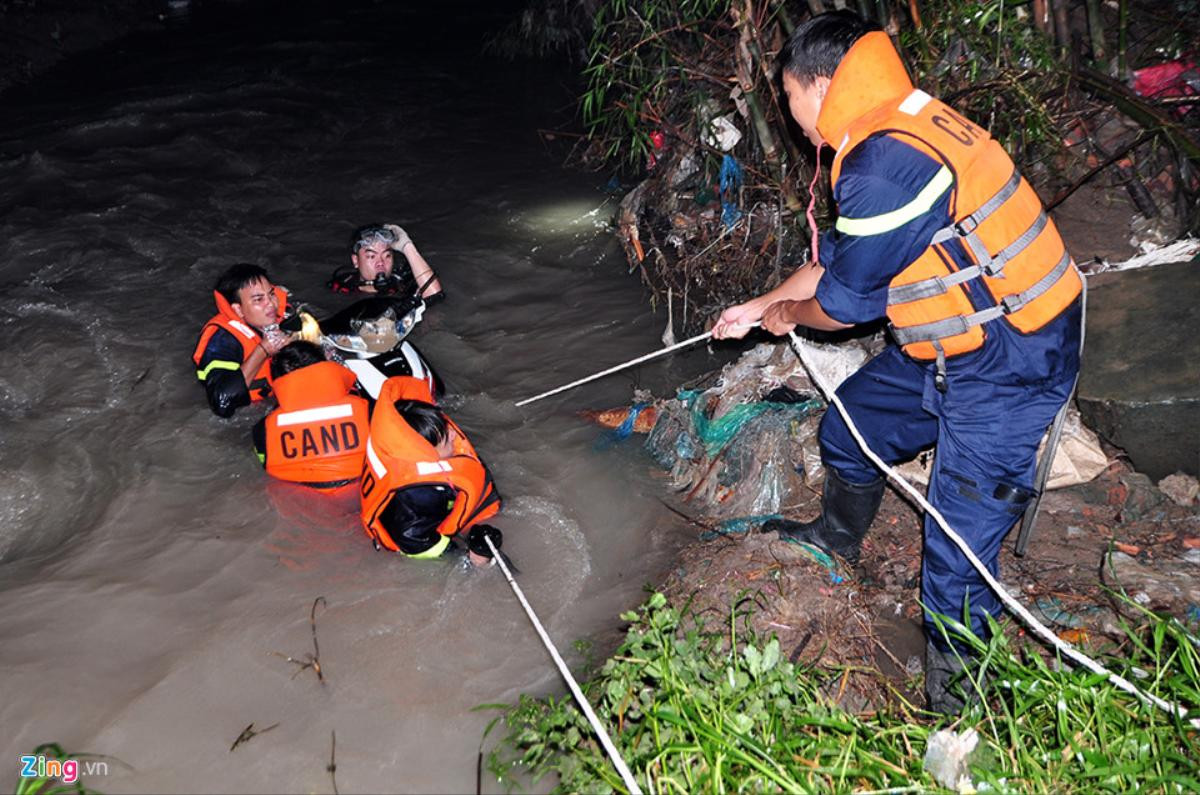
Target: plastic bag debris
(746,446)
(1078,459)
(722,134)
(946,758)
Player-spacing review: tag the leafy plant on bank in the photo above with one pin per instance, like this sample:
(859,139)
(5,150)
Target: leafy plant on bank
(47,785)
(696,708)
(646,64)
(988,59)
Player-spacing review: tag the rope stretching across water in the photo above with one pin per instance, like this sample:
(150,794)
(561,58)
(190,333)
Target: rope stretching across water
(605,740)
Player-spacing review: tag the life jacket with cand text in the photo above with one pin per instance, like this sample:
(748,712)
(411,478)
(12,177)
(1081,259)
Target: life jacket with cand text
(398,457)
(318,435)
(1012,244)
(249,339)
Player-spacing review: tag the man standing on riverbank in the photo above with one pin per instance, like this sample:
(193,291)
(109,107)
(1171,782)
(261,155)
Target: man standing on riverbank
(939,233)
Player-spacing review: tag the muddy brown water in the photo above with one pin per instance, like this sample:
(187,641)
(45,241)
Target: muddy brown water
(148,569)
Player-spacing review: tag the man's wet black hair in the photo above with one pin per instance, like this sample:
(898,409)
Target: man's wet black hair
(817,46)
(295,355)
(424,418)
(238,276)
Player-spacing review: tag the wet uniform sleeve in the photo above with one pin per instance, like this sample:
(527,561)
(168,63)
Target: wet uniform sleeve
(891,200)
(220,369)
(259,436)
(413,515)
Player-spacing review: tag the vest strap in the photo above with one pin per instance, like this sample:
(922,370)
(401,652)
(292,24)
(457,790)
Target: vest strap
(971,222)
(996,266)
(985,263)
(927,288)
(965,228)
(960,324)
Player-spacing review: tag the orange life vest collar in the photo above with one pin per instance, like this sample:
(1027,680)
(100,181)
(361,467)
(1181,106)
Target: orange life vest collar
(246,335)
(392,438)
(870,75)
(314,385)
(399,457)
(226,312)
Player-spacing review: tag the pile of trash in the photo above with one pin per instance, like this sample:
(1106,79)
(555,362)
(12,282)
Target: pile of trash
(744,448)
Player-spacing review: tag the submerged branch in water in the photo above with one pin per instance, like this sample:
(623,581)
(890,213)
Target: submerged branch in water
(310,660)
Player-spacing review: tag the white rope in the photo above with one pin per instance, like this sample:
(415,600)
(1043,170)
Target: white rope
(611,749)
(629,363)
(1012,604)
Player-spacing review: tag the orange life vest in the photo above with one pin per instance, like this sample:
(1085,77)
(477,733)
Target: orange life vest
(318,435)
(227,319)
(399,457)
(1014,247)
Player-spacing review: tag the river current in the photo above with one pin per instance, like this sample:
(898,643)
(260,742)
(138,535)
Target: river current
(152,578)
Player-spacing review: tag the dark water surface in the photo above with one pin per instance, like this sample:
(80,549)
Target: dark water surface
(148,570)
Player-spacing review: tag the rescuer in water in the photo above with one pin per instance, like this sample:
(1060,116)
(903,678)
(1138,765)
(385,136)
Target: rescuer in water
(423,482)
(318,435)
(938,232)
(236,343)
(372,269)
(380,290)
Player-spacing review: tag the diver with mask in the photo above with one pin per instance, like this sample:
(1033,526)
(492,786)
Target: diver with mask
(372,269)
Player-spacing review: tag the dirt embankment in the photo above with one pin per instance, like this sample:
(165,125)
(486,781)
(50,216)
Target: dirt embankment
(1116,534)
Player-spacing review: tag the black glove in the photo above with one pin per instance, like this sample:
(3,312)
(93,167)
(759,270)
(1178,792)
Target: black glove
(476,542)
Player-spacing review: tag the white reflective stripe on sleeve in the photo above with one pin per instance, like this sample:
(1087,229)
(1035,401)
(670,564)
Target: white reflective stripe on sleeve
(314,415)
(242,328)
(886,222)
(432,467)
(913,103)
(376,465)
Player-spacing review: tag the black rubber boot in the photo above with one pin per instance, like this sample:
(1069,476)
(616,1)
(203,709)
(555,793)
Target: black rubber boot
(947,688)
(847,510)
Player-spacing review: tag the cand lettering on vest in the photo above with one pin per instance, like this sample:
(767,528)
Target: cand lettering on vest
(326,440)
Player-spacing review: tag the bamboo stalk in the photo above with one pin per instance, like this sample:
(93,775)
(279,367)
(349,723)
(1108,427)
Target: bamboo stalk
(785,19)
(745,57)
(1096,31)
(1062,22)
(1063,194)
(1122,31)
(915,13)
(1042,18)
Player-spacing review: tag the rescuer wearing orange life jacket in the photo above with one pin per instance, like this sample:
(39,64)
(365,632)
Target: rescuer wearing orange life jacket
(939,233)
(318,435)
(423,482)
(232,354)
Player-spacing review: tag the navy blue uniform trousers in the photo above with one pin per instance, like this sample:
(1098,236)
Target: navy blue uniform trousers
(986,438)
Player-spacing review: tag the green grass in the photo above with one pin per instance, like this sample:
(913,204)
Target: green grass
(700,708)
(45,785)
